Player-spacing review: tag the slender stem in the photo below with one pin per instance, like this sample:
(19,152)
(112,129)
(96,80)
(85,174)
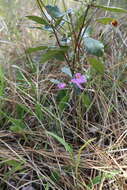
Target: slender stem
(86,26)
(78,38)
(40,4)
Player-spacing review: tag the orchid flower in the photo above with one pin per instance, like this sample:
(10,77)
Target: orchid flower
(79,79)
(61,85)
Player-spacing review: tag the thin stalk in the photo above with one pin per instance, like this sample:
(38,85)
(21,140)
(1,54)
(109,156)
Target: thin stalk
(40,4)
(87,24)
(58,42)
(78,38)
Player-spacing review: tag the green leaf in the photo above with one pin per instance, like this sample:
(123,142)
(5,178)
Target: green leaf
(47,186)
(39,48)
(105,20)
(111,175)
(60,95)
(63,97)
(57,53)
(85,100)
(21,110)
(93,46)
(50,54)
(112,9)
(13,163)
(55,176)
(67,71)
(15,166)
(98,179)
(97,65)
(59,22)
(16,129)
(62,141)
(54,11)
(87,32)
(95,181)
(38,20)
(17,125)
(39,112)
(63,103)
(59,56)
(17,122)
(79,22)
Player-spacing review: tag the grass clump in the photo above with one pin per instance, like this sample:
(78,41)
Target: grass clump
(63,105)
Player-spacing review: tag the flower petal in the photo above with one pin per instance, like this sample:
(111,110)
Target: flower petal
(79,79)
(61,85)
(77,83)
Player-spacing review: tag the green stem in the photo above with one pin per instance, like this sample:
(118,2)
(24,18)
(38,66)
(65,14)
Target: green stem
(78,38)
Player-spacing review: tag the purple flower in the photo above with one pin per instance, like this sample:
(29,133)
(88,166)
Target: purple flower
(61,85)
(79,79)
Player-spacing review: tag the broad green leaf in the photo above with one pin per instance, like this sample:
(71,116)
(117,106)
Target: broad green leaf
(57,53)
(38,20)
(93,46)
(105,20)
(59,56)
(97,65)
(54,11)
(51,54)
(39,48)
(62,141)
(67,71)
(112,9)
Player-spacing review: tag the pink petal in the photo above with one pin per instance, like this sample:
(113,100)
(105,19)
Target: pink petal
(77,83)
(61,85)
(78,75)
(80,78)
(79,86)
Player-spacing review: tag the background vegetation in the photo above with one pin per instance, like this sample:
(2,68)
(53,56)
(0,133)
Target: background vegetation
(69,138)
